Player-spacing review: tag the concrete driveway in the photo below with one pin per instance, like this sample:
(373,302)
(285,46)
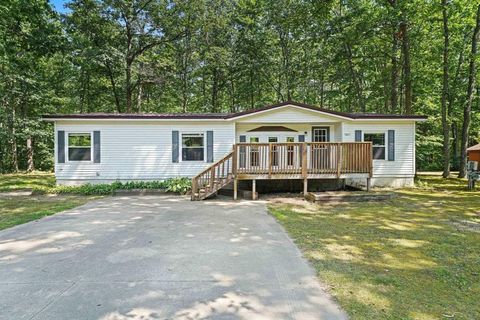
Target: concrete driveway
(157,257)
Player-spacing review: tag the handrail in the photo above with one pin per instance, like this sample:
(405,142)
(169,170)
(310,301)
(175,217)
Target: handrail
(213,164)
(213,178)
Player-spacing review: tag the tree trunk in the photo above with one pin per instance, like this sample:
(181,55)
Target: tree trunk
(215,90)
(30,165)
(14,142)
(322,91)
(470,91)
(455,144)
(114,87)
(128,85)
(394,73)
(445,94)
(356,79)
(139,97)
(406,66)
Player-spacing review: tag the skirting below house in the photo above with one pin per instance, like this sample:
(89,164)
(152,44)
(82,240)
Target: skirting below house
(382,182)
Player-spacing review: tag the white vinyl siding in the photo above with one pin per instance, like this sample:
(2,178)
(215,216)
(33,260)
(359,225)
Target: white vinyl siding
(404,164)
(140,150)
(288,114)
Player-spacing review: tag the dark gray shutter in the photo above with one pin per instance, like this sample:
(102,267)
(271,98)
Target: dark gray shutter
(61,146)
(96,146)
(358,135)
(209,146)
(175,146)
(243,138)
(301,138)
(391,145)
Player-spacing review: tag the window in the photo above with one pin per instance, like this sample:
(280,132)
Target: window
(254,140)
(378,144)
(79,147)
(290,151)
(274,153)
(193,147)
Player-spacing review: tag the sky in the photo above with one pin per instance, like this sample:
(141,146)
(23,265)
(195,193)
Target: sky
(59,5)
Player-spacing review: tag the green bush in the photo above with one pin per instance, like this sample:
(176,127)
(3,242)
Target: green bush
(178,185)
(173,185)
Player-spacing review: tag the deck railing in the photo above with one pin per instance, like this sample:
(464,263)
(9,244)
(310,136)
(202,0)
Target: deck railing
(302,159)
(213,178)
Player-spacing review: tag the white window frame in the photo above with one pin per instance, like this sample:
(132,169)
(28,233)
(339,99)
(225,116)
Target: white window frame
(67,146)
(204,133)
(384,141)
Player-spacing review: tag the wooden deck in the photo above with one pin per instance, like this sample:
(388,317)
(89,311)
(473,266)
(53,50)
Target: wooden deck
(302,160)
(308,160)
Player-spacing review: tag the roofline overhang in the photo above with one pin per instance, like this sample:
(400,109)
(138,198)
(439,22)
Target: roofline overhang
(236,116)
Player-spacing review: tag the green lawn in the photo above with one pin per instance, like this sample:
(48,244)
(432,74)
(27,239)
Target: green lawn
(21,209)
(21,181)
(414,257)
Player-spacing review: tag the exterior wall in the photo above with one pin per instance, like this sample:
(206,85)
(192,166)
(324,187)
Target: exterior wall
(305,129)
(134,150)
(404,164)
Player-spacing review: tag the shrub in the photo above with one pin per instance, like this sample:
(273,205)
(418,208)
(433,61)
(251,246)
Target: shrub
(173,185)
(178,185)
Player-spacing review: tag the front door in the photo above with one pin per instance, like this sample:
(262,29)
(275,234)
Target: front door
(320,134)
(320,154)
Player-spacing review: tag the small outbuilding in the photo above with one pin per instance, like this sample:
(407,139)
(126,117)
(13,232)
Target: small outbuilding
(473,153)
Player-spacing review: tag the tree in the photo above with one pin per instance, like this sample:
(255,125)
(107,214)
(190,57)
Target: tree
(470,92)
(445,94)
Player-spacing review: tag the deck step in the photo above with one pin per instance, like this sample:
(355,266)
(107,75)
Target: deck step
(348,196)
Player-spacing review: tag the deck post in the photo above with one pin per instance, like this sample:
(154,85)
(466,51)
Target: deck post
(305,186)
(235,188)
(304,160)
(368,184)
(254,189)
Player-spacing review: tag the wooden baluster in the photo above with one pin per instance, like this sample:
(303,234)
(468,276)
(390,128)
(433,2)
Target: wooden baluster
(339,165)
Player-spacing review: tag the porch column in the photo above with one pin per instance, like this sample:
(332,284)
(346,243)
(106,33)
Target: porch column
(305,186)
(235,188)
(254,189)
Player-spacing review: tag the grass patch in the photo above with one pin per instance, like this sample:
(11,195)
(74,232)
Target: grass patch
(21,209)
(406,258)
(23,181)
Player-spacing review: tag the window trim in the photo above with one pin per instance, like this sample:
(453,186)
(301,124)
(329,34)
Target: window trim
(180,142)
(385,143)
(67,146)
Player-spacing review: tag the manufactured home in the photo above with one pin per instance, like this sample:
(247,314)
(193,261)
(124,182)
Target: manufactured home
(283,141)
